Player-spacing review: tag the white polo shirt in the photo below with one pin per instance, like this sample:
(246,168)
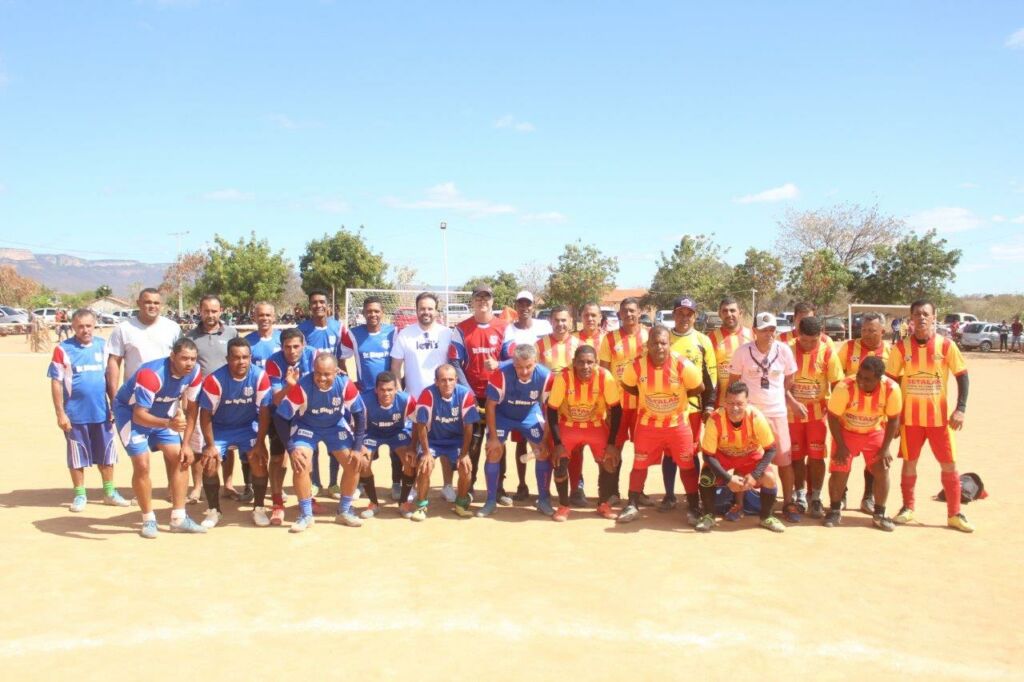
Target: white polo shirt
(138,343)
(422,351)
(751,364)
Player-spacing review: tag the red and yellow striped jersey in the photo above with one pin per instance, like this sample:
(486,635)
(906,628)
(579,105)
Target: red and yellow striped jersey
(816,371)
(582,403)
(725,344)
(863,412)
(554,354)
(591,339)
(922,370)
(793,335)
(618,349)
(852,353)
(663,400)
(750,437)
(696,348)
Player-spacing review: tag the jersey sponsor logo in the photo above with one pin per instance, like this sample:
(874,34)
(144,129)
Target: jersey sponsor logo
(662,403)
(89,368)
(482,351)
(427,344)
(237,401)
(374,355)
(324,410)
(304,433)
(924,384)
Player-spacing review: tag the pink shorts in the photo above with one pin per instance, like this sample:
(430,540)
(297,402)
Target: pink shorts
(783,447)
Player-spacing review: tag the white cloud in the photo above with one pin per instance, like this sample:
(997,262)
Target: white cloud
(945,219)
(1012,252)
(782,193)
(509,121)
(545,217)
(1016,41)
(447,197)
(969,185)
(1019,220)
(998,218)
(229,194)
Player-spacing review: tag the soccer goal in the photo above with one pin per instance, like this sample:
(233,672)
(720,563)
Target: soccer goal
(888,312)
(400,305)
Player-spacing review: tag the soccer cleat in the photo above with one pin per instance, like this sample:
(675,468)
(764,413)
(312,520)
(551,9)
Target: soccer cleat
(187,525)
(149,530)
(405,510)
(522,493)
(735,513)
(692,517)
(448,493)
(504,500)
(301,524)
(463,512)
(773,524)
(960,522)
(817,510)
(78,504)
(247,496)
(615,499)
(487,509)
(792,513)
(396,492)
(705,524)
(801,501)
(335,492)
(419,515)
(905,516)
(578,499)
(561,514)
(667,504)
(211,517)
(645,500)
(628,514)
(276,515)
(370,511)
(545,508)
(115,500)
(259,517)
(834,518)
(348,519)
(867,505)
(604,509)
(883,523)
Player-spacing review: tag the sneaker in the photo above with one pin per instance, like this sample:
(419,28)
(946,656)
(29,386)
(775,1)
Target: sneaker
(360,491)
(348,519)
(692,517)
(247,496)
(448,493)
(629,513)
(561,514)
(604,509)
(905,516)
(504,500)
(773,524)
(149,530)
(335,492)
(370,511)
(867,505)
(960,522)
(78,504)
(645,500)
(545,508)
(405,510)
(195,496)
(883,523)
(614,499)
(463,512)
(817,510)
(735,513)
(667,504)
(115,500)
(276,515)
(801,501)
(259,517)
(834,518)
(302,523)
(487,509)
(187,525)
(419,515)
(211,517)
(705,524)
(396,492)
(792,513)
(522,493)
(578,499)
(314,490)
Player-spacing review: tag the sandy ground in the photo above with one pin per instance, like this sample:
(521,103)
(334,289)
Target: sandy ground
(516,596)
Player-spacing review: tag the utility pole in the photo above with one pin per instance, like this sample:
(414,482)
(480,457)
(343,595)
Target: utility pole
(753,302)
(444,245)
(179,235)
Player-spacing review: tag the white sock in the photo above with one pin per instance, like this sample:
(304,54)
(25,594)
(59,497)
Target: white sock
(149,516)
(177,516)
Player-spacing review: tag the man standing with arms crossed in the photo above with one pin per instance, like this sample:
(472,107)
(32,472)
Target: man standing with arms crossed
(725,340)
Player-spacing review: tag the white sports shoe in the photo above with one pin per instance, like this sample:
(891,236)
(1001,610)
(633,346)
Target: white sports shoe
(211,518)
(260,518)
(448,493)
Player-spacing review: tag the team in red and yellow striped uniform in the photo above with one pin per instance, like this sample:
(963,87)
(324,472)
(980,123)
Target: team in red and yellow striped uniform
(793,334)
(557,355)
(853,351)
(738,447)
(863,416)
(725,344)
(817,371)
(618,349)
(583,406)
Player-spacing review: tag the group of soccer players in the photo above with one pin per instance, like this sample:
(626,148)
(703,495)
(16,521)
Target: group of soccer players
(736,413)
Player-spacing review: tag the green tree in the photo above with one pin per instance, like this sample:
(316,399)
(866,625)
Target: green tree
(243,272)
(760,270)
(918,266)
(342,261)
(103,290)
(582,274)
(79,300)
(695,268)
(503,284)
(820,278)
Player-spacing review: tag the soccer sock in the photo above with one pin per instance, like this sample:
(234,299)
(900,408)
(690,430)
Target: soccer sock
(637,478)
(211,487)
(149,516)
(690,481)
(951,486)
(767,501)
(542,468)
(707,491)
(501,477)
(407,483)
(462,502)
(108,488)
(869,483)
(836,505)
(345,504)
(616,477)
(605,485)
(693,501)
(278,500)
(79,490)
(816,495)
(177,516)
(259,490)
(879,510)
(491,471)
(333,467)
(246,474)
(668,475)
(306,507)
(576,469)
(370,486)
(563,492)
(907,485)
(396,469)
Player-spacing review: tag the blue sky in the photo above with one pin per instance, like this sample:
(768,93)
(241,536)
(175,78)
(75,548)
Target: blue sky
(523,125)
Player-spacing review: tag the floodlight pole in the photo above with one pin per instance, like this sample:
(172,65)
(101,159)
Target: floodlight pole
(444,246)
(179,235)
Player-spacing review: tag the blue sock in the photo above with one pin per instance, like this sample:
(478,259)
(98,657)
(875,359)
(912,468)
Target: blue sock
(306,507)
(543,470)
(315,473)
(491,472)
(668,475)
(345,506)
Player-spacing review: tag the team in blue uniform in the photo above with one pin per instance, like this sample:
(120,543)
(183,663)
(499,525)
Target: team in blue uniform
(264,340)
(388,414)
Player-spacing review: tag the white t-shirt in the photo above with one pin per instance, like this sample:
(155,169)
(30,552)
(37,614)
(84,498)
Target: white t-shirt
(750,364)
(137,343)
(537,330)
(422,352)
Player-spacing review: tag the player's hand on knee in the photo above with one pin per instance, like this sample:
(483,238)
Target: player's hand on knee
(185,456)
(300,461)
(495,449)
(736,484)
(464,466)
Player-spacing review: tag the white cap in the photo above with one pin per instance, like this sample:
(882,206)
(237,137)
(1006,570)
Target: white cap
(765,320)
(525,294)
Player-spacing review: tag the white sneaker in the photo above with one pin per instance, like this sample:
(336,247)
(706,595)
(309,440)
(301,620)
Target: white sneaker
(211,518)
(448,493)
(357,494)
(260,518)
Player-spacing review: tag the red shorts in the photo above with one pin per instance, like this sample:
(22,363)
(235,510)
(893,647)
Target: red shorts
(867,443)
(940,438)
(651,443)
(808,439)
(596,437)
(741,466)
(627,428)
(696,422)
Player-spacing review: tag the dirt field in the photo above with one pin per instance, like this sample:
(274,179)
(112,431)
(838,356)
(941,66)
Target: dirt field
(515,597)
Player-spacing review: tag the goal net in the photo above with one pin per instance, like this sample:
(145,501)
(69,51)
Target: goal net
(400,305)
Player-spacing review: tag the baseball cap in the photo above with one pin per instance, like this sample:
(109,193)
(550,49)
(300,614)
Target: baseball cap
(525,294)
(765,320)
(685,302)
(484,289)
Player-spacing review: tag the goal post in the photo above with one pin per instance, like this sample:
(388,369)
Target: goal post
(889,311)
(455,310)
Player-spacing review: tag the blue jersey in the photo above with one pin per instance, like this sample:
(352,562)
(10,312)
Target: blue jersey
(387,422)
(262,348)
(308,406)
(235,403)
(444,419)
(81,371)
(154,388)
(518,401)
(372,351)
(321,338)
(276,367)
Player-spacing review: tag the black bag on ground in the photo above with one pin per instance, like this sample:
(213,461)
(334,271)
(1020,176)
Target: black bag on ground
(971,488)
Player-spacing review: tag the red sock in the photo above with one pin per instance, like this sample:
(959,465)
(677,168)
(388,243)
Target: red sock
(637,478)
(907,485)
(689,479)
(575,468)
(278,500)
(951,486)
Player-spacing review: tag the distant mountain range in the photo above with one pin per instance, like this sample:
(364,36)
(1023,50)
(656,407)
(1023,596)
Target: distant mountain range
(70,274)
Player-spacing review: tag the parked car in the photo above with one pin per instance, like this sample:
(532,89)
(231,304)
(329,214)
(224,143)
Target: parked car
(646,320)
(543,314)
(981,335)
(664,317)
(708,322)
(105,318)
(962,318)
(10,315)
(123,315)
(47,315)
(457,312)
(403,317)
(835,327)
(609,320)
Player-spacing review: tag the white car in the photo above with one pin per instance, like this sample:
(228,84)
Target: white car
(664,317)
(981,335)
(48,315)
(12,315)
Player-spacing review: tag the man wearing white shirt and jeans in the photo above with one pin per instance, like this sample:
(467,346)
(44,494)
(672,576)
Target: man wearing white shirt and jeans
(142,338)
(767,367)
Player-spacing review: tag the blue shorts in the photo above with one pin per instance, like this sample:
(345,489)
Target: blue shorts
(137,439)
(532,430)
(90,444)
(403,439)
(449,450)
(241,437)
(333,439)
